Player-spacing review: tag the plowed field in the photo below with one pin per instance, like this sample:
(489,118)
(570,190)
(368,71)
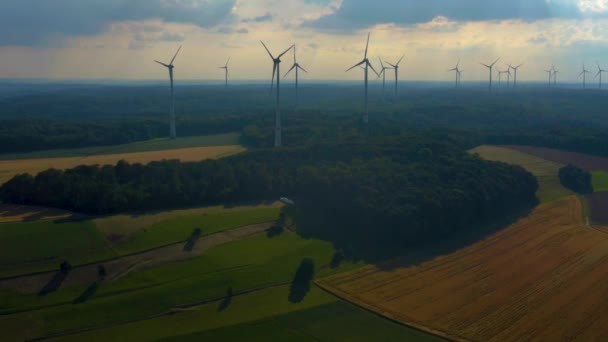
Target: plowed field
(581,160)
(543,278)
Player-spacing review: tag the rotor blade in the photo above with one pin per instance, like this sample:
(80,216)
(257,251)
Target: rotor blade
(495,61)
(598,65)
(382,64)
(274,70)
(394,66)
(517,67)
(180,47)
(367,45)
(228,61)
(455,69)
(294,54)
(371,66)
(286,51)
(161,63)
(356,65)
(598,73)
(487,66)
(302,69)
(288,71)
(269,54)
(400,59)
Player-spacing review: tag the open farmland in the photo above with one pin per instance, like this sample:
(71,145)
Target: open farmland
(545,171)
(10,168)
(581,160)
(543,278)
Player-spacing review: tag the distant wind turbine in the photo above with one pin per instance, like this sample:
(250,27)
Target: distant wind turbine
(172,129)
(276,71)
(515,74)
(366,64)
(457,73)
(500,76)
(396,67)
(383,74)
(550,72)
(599,73)
(225,67)
(297,67)
(584,74)
(555,72)
(490,69)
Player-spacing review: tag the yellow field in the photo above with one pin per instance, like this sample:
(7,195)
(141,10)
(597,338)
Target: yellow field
(21,213)
(543,278)
(9,168)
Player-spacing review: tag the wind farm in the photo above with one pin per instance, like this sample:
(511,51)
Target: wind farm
(170,67)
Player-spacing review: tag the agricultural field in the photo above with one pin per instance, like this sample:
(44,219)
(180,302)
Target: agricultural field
(600,181)
(39,246)
(545,171)
(547,270)
(584,161)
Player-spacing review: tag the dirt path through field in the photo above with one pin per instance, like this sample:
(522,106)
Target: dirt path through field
(120,267)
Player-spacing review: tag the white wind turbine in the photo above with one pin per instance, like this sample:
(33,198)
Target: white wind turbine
(383,74)
(584,74)
(396,67)
(600,71)
(366,64)
(490,69)
(297,67)
(172,129)
(225,67)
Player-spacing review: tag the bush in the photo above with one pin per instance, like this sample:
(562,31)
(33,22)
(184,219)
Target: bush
(576,179)
(65,267)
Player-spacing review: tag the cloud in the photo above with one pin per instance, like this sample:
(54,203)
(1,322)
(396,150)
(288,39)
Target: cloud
(260,19)
(37,22)
(359,14)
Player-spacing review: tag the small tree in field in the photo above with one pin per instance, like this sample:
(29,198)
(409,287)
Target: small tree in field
(101,271)
(65,267)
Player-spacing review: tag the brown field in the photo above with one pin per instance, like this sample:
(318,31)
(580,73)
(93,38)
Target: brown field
(10,168)
(598,202)
(584,161)
(21,213)
(543,278)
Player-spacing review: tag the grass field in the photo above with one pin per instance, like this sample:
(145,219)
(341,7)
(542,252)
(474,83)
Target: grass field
(10,213)
(543,278)
(546,172)
(600,181)
(229,139)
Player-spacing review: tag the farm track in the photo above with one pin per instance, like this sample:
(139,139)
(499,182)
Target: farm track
(542,278)
(121,266)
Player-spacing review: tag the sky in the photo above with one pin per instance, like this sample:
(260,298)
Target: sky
(120,39)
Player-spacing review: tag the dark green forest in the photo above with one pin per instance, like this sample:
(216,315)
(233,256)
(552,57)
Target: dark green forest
(576,179)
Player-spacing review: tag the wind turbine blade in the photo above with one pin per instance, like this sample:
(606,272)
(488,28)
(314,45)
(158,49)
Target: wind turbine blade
(394,66)
(180,47)
(487,66)
(356,65)
(290,69)
(367,45)
(400,59)
(274,70)
(294,54)
(372,67)
(302,69)
(286,51)
(269,54)
(495,61)
(455,69)
(228,61)
(382,64)
(161,63)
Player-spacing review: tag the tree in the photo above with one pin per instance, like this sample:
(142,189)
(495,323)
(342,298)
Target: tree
(576,179)
(101,271)
(65,267)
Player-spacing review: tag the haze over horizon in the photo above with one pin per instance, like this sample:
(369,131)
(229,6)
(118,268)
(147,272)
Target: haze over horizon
(119,39)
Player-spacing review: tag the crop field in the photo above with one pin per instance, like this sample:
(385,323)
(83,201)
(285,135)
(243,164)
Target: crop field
(581,160)
(545,171)
(543,278)
(598,202)
(600,181)
(10,168)
(21,213)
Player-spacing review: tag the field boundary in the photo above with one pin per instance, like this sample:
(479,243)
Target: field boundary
(385,314)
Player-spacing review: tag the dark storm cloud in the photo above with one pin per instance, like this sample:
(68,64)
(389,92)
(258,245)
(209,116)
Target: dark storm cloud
(33,22)
(356,14)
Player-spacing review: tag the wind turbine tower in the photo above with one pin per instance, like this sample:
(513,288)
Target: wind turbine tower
(550,72)
(396,67)
(383,73)
(515,74)
(584,74)
(500,76)
(490,69)
(276,71)
(172,130)
(555,72)
(297,67)
(366,64)
(457,74)
(225,67)
(599,73)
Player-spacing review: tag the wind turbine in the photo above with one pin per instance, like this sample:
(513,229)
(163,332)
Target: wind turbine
(396,67)
(550,72)
(508,72)
(457,73)
(276,71)
(599,73)
(225,67)
(584,74)
(297,67)
(515,74)
(490,69)
(555,72)
(172,130)
(366,64)
(383,73)
(500,76)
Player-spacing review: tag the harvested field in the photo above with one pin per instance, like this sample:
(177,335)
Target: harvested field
(22,213)
(10,168)
(581,160)
(598,203)
(543,278)
(550,188)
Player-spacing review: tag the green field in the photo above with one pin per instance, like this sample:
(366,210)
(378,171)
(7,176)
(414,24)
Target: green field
(142,146)
(600,181)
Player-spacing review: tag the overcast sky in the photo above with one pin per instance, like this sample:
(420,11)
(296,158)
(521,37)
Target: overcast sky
(119,39)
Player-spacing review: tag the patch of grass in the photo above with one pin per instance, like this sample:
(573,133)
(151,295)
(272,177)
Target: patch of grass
(551,189)
(535,165)
(600,181)
(180,228)
(38,246)
(140,146)
(336,321)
